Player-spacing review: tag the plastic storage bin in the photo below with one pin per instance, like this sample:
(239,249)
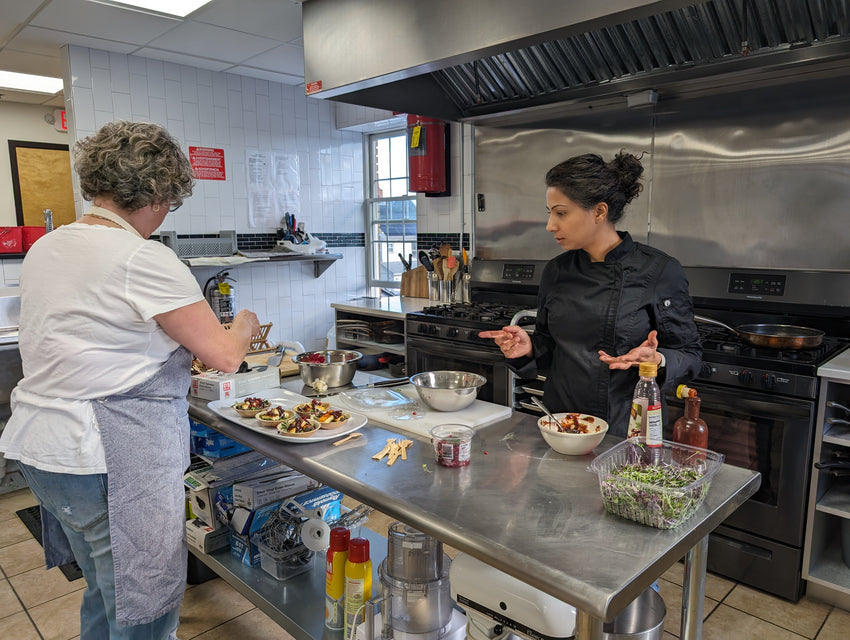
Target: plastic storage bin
(665,503)
(282,565)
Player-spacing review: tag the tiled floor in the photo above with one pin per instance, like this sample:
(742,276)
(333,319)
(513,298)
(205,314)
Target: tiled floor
(42,605)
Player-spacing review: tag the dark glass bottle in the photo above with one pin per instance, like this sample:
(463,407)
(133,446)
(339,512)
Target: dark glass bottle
(690,429)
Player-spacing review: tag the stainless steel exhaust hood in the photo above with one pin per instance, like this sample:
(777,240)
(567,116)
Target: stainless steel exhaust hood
(505,62)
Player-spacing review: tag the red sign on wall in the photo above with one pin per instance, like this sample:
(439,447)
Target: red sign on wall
(207,163)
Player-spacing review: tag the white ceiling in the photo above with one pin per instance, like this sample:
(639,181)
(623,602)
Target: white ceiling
(256,38)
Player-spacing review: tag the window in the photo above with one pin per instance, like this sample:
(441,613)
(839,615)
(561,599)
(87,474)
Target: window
(391,209)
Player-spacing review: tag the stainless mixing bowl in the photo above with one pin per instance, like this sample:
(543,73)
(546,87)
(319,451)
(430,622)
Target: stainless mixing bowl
(337,368)
(448,390)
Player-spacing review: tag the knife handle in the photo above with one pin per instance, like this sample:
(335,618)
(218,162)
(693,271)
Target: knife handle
(388,383)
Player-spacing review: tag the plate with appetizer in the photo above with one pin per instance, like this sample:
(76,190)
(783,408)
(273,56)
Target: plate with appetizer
(287,416)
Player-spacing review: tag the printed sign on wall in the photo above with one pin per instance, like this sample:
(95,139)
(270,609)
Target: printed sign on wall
(207,163)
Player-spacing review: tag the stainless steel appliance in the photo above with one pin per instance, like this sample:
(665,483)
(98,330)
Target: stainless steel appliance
(445,337)
(760,404)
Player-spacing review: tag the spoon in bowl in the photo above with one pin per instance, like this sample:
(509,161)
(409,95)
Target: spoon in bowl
(542,406)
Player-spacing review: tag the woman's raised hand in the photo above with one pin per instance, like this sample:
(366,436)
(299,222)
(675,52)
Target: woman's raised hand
(644,352)
(512,340)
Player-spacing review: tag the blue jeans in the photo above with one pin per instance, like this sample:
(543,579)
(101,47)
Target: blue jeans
(79,502)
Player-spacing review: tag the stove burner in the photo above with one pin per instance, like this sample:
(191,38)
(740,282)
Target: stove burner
(484,312)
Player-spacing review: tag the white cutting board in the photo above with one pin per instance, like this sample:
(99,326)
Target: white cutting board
(476,415)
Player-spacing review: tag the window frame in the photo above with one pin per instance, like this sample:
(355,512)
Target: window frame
(372,200)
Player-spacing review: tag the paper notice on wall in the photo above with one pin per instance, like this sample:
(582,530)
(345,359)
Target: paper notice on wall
(274,188)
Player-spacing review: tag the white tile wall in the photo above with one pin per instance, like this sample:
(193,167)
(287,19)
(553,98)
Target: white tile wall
(239,114)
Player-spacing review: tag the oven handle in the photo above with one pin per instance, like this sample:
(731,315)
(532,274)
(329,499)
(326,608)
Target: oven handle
(456,351)
(718,398)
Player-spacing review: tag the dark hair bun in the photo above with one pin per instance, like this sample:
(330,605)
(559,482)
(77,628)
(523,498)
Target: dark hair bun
(629,170)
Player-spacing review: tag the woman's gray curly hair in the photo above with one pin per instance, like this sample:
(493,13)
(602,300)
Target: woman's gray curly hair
(135,164)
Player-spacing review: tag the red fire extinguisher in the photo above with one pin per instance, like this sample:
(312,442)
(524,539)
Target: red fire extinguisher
(426,154)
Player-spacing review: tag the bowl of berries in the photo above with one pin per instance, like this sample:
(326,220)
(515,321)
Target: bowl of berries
(333,367)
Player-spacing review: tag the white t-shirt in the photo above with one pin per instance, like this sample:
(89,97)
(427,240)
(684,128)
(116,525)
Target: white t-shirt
(88,297)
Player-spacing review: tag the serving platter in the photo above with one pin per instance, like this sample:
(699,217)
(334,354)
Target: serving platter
(287,400)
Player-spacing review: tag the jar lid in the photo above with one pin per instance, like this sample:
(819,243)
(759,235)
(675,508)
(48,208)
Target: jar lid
(648,369)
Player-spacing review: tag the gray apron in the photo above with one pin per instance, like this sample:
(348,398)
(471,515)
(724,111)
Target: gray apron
(145,433)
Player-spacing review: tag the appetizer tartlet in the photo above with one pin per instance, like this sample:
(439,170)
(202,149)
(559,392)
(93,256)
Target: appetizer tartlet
(298,427)
(332,418)
(249,407)
(311,409)
(275,416)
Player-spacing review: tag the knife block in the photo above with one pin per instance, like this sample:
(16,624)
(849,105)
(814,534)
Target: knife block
(414,283)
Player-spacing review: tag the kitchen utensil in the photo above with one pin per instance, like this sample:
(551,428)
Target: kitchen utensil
(445,250)
(438,267)
(568,442)
(389,382)
(450,268)
(465,260)
(543,408)
(448,390)
(774,336)
(425,261)
(277,357)
(413,555)
(335,367)
(404,263)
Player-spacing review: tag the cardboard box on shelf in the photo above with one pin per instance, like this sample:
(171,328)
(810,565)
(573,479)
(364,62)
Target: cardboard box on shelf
(206,482)
(205,538)
(257,492)
(224,386)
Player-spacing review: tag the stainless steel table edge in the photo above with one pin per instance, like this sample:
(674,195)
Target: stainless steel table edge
(730,488)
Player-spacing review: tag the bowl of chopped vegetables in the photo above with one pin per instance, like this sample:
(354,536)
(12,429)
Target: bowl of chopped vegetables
(660,486)
(328,368)
(575,434)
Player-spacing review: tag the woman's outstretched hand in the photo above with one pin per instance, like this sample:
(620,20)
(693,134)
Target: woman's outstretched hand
(645,352)
(512,340)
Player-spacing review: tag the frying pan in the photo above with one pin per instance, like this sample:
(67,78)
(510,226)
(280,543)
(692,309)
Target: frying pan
(774,336)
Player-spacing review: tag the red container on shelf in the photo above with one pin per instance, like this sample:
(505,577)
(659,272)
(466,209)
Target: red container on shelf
(30,235)
(11,240)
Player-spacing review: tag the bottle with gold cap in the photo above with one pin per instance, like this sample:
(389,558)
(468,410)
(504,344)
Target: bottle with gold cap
(645,418)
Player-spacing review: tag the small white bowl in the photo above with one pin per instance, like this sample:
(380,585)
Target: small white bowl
(573,444)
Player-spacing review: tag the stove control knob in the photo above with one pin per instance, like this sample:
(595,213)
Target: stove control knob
(747,377)
(422,328)
(706,371)
(453,332)
(433,329)
(768,381)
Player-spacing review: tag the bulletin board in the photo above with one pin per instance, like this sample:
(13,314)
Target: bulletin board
(41,179)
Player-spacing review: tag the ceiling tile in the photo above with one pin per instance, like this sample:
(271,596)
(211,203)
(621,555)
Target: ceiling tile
(179,58)
(20,62)
(262,74)
(49,42)
(17,11)
(286,58)
(277,19)
(209,41)
(102,21)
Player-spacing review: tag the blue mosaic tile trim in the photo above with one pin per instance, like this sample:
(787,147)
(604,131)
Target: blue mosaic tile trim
(427,240)
(266,241)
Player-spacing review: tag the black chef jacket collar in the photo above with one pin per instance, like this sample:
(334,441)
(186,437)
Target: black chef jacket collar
(618,252)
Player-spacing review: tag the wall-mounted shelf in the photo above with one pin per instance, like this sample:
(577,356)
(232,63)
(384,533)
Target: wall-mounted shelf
(321,261)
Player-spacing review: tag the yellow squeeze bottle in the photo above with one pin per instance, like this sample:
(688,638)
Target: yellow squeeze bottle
(358,582)
(336,557)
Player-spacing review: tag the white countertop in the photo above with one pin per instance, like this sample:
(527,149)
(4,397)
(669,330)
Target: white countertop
(390,307)
(838,367)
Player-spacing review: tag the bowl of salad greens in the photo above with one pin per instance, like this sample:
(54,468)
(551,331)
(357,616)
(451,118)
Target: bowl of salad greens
(659,486)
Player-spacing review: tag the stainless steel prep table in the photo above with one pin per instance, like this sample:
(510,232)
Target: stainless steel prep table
(522,508)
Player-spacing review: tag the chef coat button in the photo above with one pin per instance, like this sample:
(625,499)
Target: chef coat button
(667,302)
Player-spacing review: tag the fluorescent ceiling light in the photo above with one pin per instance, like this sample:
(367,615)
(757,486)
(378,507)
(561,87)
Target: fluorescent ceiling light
(34,84)
(181,8)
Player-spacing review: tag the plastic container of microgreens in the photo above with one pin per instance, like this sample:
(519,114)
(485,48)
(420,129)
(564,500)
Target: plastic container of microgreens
(657,486)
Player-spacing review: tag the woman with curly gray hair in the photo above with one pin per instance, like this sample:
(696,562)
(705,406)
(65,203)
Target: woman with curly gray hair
(605,294)
(99,425)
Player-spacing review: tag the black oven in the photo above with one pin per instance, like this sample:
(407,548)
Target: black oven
(761,543)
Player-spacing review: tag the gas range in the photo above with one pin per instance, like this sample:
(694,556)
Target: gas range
(461,322)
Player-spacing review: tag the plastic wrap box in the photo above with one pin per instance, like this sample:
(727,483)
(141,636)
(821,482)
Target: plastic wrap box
(204,483)
(205,538)
(212,444)
(224,386)
(255,493)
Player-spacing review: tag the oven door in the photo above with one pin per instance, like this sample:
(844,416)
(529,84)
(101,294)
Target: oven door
(425,354)
(771,435)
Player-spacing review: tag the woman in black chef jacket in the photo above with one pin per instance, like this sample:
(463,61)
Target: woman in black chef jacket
(604,295)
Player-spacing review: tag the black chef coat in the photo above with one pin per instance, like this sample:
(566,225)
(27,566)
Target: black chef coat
(585,306)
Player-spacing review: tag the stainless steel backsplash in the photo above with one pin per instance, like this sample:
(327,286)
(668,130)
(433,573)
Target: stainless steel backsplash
(738,180)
